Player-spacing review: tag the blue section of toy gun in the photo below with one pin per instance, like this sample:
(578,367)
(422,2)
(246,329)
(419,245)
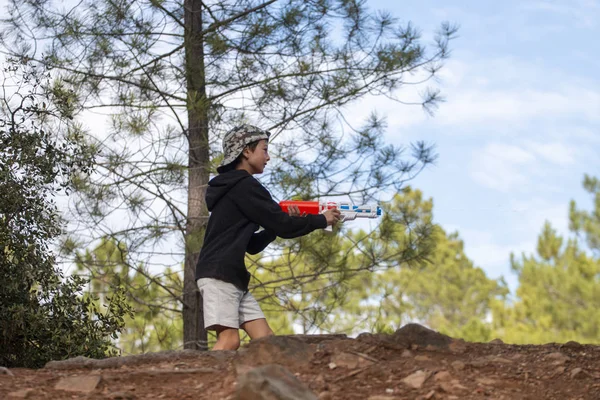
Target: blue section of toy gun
(364,209)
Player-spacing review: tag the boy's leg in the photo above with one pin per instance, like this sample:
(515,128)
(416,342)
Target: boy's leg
(221,301)
(227,338)
(257,328)
(252,319)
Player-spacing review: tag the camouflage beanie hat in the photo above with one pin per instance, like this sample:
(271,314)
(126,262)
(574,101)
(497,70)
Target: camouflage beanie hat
(237,139)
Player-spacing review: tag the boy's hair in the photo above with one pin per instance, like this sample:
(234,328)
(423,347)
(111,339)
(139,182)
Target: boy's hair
(230,167)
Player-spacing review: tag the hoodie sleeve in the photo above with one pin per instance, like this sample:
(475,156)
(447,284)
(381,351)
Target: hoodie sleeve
(259,241)
(257,204)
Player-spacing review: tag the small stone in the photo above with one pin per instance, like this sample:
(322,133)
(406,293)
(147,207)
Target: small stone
(326,395)
(121,396)
(406,354)
(578,373)
(558,358)
(20,394)
(486,381)
(5,371)
(422,358)
(416,379)
(501,360)
(497,341)
(442,376)
(457,385)
(429,395)
(82,384)
(389,391)
(350,361)
(458,365)
(559,370)
(457,346)
(332,365)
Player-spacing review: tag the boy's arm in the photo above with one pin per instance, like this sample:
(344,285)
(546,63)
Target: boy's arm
(259,241)
(258,205)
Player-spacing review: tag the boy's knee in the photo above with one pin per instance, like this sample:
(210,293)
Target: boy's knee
(228,339)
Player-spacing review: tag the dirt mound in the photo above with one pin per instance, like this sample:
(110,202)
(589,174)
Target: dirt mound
(413,363)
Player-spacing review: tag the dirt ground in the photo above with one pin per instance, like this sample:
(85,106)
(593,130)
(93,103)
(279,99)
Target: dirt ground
(414,363)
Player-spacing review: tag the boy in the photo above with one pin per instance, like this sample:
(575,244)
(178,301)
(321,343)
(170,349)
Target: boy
(239,205)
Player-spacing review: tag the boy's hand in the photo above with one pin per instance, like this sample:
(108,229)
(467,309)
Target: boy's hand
(294,211)
(333,215)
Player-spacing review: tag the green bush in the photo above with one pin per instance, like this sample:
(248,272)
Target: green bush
(43,315)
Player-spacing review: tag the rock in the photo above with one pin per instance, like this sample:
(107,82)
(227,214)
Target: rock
(442,376)
(317,338)
(415,334)
(558,358)
(332,365)
(120,396)
(272,382)
(500,360)
(20,394)
(457,346)
(406,353)
(5,371)
(422,358)
(350,361)
(486,381)
(325,396)
(429,395)
(578,373)
(572,345)
(380,397)
(453,387)
(170,356)
(559,370)
(283,350)
(82,384)
(416,379)
(458,365)
(497,341)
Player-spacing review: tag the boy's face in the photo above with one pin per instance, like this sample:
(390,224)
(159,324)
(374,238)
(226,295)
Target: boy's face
(257,159)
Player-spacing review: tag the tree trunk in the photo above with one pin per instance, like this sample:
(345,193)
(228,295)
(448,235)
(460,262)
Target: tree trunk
(194,334)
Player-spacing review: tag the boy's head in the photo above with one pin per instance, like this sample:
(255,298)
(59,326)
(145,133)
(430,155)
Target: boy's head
(239,139)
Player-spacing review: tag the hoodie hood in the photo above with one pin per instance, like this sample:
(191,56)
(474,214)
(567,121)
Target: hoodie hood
(220,185)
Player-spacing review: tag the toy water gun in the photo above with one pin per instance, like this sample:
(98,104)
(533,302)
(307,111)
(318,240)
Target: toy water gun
(348,211)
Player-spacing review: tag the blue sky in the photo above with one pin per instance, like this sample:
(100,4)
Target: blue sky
(521,123)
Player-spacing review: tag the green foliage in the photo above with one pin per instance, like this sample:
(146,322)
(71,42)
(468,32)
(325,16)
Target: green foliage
(558,298)
(157,324)
(43,315)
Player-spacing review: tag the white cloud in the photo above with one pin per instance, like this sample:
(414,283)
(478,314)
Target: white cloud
(584,12)
(501,166)
(505,167)
(554,152)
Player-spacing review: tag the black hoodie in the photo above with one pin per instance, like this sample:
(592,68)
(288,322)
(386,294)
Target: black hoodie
(239,205)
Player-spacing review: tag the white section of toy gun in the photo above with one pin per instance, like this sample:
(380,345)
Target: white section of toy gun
(350,212)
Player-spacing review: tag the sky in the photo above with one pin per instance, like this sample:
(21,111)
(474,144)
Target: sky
(520,125)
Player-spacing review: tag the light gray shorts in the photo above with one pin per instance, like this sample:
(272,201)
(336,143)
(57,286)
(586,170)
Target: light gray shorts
(226,305)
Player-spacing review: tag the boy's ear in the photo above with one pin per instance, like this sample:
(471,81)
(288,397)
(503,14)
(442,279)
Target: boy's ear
(246,152)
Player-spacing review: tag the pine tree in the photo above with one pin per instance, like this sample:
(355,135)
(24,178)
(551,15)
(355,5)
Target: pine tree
(175,75)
